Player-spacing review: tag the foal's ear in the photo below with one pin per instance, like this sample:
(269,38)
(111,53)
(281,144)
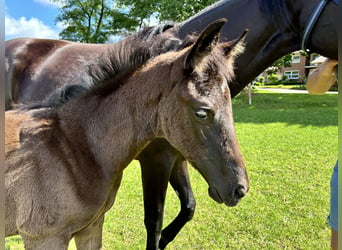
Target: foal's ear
(204,44)
(236,46)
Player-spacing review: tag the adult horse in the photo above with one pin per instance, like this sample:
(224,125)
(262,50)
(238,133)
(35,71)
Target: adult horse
(276,27)
(64,164)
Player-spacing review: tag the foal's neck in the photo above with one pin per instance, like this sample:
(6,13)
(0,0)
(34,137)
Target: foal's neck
(120,124)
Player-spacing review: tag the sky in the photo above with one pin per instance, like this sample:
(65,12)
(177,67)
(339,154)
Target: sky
(31,18)
(36,18)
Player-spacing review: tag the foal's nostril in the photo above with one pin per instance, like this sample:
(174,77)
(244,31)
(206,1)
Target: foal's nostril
(240,192)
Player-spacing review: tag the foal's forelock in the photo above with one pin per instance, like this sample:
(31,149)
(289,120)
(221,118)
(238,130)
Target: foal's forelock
(216,67)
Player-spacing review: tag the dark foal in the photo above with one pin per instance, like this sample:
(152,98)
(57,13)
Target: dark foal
(64,162)
(276,27)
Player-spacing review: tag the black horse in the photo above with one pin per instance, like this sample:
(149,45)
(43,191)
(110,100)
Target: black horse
(276,27)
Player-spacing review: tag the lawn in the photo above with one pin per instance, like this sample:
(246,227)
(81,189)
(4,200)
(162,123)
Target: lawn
(289,142)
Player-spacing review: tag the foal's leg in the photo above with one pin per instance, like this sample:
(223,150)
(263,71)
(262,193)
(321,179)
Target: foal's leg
(156,163)
(91,237)
(56,242)
(181,184)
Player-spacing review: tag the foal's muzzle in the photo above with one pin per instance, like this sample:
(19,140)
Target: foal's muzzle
(236,195)
(239,192)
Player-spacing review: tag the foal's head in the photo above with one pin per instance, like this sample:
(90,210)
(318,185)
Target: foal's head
(196,117)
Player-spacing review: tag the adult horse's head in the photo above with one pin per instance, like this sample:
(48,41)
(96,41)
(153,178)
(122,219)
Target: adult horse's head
(200,107)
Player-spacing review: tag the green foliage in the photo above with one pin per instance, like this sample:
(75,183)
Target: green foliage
(289,142)
(178,11)
(140,11)
(285,61)
(94,21)
(164,10)
(272,79)
(259,81)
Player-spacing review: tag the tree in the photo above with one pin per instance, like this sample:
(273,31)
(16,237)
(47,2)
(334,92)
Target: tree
(178,11)
(140,11)
(92,21)
(285,61)
(163,10)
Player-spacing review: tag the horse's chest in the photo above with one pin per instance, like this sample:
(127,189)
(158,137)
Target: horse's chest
(54,185)
(50,201)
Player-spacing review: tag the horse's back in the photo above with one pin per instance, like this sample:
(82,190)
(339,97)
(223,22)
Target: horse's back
(34,51)
(22,52)
(23,56)
(36,67)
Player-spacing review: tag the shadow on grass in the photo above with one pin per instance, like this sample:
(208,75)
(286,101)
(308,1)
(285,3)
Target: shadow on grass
(292,109)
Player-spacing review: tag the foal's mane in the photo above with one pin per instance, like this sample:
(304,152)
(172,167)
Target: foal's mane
(125,57)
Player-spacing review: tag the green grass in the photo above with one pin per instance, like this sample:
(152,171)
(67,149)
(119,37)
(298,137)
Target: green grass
(295,86)
(289,142)
(292,86)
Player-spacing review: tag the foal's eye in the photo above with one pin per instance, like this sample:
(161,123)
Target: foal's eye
(202,114)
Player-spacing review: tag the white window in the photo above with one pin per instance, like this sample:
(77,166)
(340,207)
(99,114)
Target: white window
(295,58)
(292,75)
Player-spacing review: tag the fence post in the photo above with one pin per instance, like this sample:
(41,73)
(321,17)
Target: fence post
(249,93)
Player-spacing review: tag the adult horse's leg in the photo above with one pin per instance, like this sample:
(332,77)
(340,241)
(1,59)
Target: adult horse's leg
(91,237)
(157,162)
(180,182)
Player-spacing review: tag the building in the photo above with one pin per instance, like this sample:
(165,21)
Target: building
(298,71)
